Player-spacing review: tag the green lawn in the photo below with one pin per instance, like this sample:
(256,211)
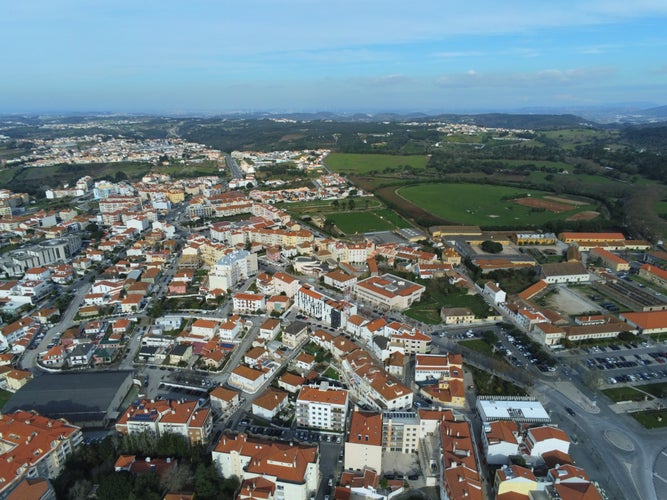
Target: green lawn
(658,390)
(4,397)
(364,163)
(481,204)
(428,314)
(618,394)
(478,345)
(651,419)
(366,222)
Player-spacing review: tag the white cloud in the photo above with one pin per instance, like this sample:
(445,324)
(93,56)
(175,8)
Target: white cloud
(547,77)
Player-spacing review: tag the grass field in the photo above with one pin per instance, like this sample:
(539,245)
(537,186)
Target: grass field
(369,216)
(4,397)
(652,419)
(364,163)
(483,205)
(658,390)
(360,222)
(618,394)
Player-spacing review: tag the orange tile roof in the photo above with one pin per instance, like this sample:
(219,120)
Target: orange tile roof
(547,432)
(247,373)
(660,273)
(223,393)
(284,461)
(332,396)
(647,320)
(365,428)
(28,437)
(270,399)
(502,430)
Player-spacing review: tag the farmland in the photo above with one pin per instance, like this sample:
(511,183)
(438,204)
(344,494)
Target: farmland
(365,163)
(487,205)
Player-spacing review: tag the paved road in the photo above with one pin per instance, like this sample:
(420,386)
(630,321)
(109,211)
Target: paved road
(29,357)
(234,168)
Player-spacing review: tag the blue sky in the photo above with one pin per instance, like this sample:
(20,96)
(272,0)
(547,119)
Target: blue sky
(342,55)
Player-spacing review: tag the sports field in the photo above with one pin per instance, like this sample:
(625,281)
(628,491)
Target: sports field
(364,163)
(367,222)
(487,205)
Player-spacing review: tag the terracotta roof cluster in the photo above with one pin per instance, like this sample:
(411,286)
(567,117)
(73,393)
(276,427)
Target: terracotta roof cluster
(284,461)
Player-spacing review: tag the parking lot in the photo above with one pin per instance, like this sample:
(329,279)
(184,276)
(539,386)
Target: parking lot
(627,363)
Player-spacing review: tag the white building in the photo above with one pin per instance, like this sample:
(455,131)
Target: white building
(294,469)
(232,268)
(322,407)
(388,292)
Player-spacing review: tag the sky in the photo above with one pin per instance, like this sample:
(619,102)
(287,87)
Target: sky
(216,56)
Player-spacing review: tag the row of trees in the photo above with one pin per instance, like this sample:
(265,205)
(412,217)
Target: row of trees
(92,466)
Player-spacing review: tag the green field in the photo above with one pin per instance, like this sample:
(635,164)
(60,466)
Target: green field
(481,204)
(651,419)
(4,397)
(366,222)
(364,163)
(618,394)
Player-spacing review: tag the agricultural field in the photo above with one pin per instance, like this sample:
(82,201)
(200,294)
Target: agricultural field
(487,205)
(365,163)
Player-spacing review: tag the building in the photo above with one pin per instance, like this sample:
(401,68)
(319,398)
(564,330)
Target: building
(494,291)
(340,280)
(647,322)
(268,404)
(460,470)
(654,274)
(540,440)
(400,431)
(244,303)
(388,292)
(33,446)
(436,367)
(322,407)
(232,268)
(326,309)
(514,479)
(292,468)
(159,416)
(565,272)
(500,440)
(223,399)
(247,379)
(456,315)
(610,260)
(294,334)
(520,410)
(363,447)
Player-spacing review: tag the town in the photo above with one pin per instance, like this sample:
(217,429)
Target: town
(312,363)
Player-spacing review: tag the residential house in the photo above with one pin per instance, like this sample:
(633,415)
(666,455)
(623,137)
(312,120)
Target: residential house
(268,404)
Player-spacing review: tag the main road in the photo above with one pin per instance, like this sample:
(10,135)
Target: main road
(234,168)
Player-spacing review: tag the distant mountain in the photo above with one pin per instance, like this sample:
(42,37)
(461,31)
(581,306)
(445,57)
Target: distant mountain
(659,112)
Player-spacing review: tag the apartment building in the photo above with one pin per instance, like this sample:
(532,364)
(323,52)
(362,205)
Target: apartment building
(33,446)
(400,431)
(159,416)
(322,407)
(293,469)
(388,292)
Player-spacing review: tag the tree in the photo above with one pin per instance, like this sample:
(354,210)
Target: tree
(491,246)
